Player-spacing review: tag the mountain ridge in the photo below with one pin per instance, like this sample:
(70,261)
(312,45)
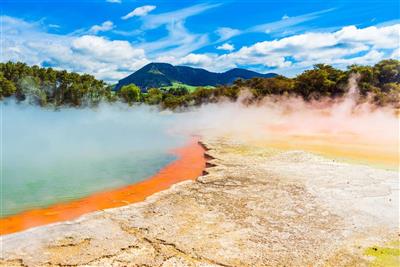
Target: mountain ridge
(158,74)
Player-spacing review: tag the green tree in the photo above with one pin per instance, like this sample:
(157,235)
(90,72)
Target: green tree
(7,88)
(261,87)
(321,81)
(130,93)
(174,102)
(388,71)
(230,92)
(48,86)
(202,95)
(153,96)
(178,91)
(367,79)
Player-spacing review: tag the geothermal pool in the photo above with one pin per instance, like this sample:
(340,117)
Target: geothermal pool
(27,186)
(58,156)
(58,165)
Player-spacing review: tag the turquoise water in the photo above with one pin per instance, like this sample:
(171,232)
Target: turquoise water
(56,156)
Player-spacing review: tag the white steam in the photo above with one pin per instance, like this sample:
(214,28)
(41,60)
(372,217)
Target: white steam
(52,156)
(342,121)
(49,155)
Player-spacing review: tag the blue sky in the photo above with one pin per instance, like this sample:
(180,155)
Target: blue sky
(112,38)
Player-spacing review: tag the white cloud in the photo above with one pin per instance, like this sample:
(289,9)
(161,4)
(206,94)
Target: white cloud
(396,54)
(349,45)
(386,37)
(332,48)
(179,41)
(139,12)
(108,51)
(196,60)
(114,59)
(105,26)
(226,33)
(286,22)
(114,1)
(103,58)
(54,26)
(226,46)
(209,61)
(155,21)
(106,59)
(285,26)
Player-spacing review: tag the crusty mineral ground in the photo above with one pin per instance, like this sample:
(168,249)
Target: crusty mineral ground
(253,207)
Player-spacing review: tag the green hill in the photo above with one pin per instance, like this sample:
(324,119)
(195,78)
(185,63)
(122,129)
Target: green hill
(163,75)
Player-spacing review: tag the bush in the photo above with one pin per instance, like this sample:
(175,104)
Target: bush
(130,93)
(173,102)
(153,96)
(202,95)
(178,91)
(388,71)
(7,88)
(322,81)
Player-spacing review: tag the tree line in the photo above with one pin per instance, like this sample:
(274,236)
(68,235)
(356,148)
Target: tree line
(45,86)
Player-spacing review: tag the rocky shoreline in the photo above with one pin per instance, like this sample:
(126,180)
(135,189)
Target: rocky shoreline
(253,206)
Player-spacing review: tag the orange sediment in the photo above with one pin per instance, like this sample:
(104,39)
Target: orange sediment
(188,166)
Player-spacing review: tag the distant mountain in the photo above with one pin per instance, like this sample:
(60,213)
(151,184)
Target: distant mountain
(163,74)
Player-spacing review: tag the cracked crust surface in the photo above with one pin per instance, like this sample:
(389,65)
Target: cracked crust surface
(253,206)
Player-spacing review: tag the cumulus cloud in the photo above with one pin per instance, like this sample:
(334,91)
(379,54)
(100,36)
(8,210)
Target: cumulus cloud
(105,26)
(139,12)
(114,1)
(114,59)
(104,49)
(312,48)
(226,46)
(349,45)
(199,60)
(109,60)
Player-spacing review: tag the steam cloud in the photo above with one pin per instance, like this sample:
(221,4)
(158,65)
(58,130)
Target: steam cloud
(342,122)
(50,135)
(86,150)
(45,134)
(52,156)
